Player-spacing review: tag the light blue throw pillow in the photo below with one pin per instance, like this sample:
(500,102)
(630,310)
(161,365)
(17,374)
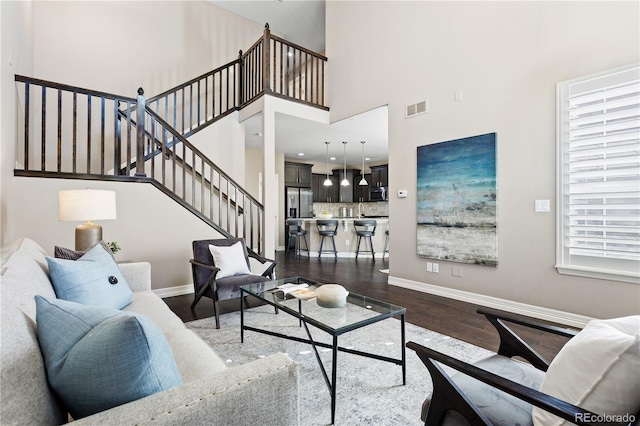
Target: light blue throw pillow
(94,279)
(98,358)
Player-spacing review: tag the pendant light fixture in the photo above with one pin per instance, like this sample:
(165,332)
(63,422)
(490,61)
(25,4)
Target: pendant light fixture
(363,181)
(345,181)
(327,181)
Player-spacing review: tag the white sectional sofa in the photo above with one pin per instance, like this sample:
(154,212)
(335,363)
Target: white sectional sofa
(261,392)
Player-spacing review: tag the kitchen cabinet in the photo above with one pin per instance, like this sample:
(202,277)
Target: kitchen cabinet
(379,176)
(325,194)
(297,175)
(361,192)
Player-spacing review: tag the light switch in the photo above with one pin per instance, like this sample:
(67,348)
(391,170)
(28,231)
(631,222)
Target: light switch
(543,206)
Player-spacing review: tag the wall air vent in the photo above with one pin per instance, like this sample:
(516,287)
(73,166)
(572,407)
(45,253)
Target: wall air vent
(417,109)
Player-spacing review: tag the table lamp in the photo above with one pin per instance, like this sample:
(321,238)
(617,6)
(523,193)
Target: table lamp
(86,204)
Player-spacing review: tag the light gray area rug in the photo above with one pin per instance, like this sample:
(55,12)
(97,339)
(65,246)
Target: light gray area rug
(369,392)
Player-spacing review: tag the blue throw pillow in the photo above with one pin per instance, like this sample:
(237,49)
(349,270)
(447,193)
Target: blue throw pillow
(94,279)
(98,358)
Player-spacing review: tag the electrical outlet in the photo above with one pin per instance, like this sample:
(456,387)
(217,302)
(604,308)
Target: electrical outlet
(346,242)
(436,268)
(456,271)
(429,267)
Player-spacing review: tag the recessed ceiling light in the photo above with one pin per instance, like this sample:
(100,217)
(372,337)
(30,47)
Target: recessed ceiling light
(367,158)
(332,158)
(300,154)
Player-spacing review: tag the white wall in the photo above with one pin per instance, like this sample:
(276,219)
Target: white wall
(506,58)
(118,46)
(150,226)
(16,57)
(223,143)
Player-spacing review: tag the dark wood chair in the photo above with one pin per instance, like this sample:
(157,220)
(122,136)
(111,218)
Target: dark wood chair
(511,385)
(365,229)
(205,281)
(327,228)
(296,231)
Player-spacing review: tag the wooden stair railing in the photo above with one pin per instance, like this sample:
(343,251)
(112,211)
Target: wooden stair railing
(201,101)
(271,65)
(199,182)
(74,133)
(102,136)
(154,147)
(280,68)
(81,147)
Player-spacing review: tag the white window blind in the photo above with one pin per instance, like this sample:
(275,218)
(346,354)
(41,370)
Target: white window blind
(599,175)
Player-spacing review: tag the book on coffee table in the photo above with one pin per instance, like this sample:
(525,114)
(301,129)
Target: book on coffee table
(299,291)
(304,293)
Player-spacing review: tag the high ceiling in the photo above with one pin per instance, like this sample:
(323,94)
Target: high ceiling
(303,22)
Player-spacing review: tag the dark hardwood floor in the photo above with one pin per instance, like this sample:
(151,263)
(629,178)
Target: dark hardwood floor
(440,314)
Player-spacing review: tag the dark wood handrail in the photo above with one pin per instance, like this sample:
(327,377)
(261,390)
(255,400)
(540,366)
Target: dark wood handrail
(253,47)
(68,88)
(298,47)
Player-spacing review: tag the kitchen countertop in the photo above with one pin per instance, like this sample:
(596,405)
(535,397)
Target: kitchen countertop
(312,219)
(346,239)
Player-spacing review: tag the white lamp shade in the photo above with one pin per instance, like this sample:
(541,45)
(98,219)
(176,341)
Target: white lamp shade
(86,205)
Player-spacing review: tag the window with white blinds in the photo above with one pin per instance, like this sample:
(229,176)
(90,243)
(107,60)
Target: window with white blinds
(599,176)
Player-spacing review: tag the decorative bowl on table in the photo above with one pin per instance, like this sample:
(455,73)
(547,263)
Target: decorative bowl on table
(331,296)
(325,215)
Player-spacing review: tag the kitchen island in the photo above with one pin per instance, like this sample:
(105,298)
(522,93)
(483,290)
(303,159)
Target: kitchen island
(346,239)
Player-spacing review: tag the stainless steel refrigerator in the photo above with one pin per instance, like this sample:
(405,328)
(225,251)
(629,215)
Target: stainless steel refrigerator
(299,202)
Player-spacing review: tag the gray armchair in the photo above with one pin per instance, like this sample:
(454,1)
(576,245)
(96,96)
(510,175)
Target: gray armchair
(206,281)
(498,390)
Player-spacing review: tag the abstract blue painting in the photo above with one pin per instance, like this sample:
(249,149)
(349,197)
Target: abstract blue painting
(457,217)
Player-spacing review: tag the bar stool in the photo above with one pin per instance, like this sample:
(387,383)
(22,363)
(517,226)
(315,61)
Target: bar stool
(327,228)
(297,231)
(386,243)
(365,229)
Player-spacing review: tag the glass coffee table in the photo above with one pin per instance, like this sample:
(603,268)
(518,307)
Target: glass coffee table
(358,312)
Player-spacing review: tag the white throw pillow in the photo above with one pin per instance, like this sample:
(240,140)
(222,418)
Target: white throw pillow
(229,259)
(598,370)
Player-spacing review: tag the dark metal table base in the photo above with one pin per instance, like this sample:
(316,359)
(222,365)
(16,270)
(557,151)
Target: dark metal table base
(331,384)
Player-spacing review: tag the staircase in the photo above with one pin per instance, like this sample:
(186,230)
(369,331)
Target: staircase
(75,133)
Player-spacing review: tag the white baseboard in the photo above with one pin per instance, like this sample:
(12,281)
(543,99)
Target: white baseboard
(178,290)
(552,315)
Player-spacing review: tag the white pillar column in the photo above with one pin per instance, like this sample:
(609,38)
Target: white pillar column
(269,181)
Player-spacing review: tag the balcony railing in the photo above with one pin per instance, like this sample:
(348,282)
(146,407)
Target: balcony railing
(278,67)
